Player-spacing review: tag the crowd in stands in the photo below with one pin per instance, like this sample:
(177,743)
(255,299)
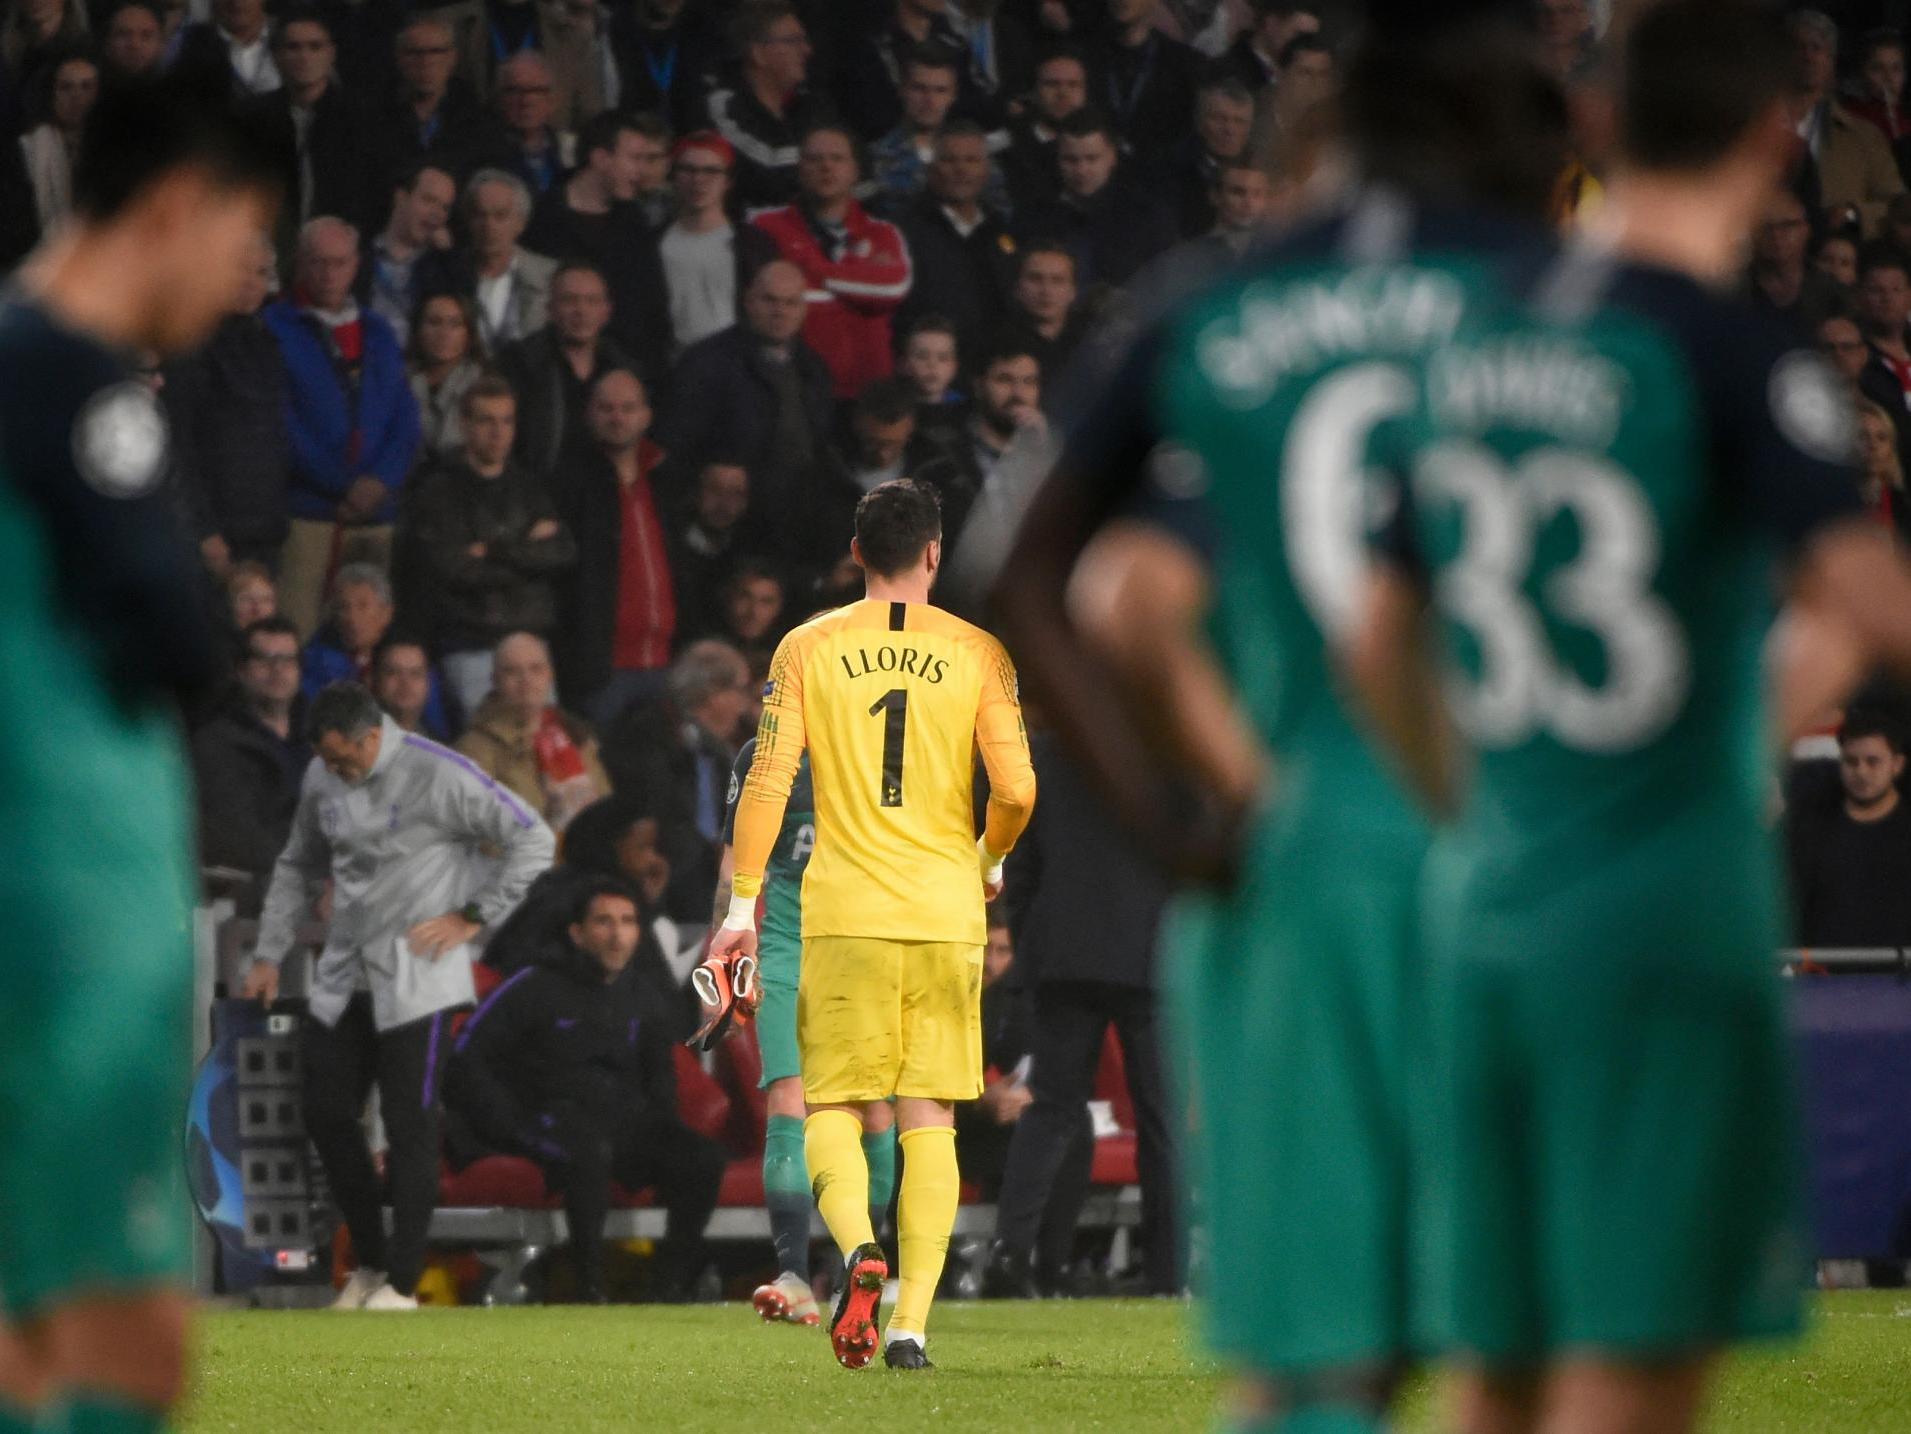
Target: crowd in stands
(586,325)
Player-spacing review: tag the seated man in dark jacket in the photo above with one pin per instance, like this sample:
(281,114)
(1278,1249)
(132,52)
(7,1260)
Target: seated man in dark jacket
(491,542)
(566,1065)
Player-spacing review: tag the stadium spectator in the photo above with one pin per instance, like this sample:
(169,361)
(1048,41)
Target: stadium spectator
(899,159)
(553,370)
(347,648)
(961,248)
(1836,257)
(251,594)
(1566,34)
(324,131)
(133,40)
(930,362)
(512,286)
(408,688)
(1143,81)
(491,542)
(856,267)
(541,153)
(351,418)
(249,760)
(71,85)
(655,199)
(1857,176)
(490,33)
(423,853)
(226,405)
(766,109)
(1007,405)
(567,1064)
(447,357)
(1882,480)
(705,543)
(1779,279)
(593,218)
(520,736)
(662,53)
(1085,910)
(1254,59)
(1884,308)
(432,117)
(1042,318)
(873,80)
(36,36)
(1029,164)
(706,259)
(242,32)
(985,1126)
(753,605)
(758,395)
(1241,198)
(1851,854)
(1110,223)
(1878,94)
(407,259)
(619,606)
(1291,119)
(676,753)
(1223,121)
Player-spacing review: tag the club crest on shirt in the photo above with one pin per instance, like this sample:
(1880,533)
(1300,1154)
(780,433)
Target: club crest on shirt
(119,441)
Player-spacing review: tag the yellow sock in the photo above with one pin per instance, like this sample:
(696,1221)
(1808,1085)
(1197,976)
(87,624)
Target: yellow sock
(839,1175)
(925,1217)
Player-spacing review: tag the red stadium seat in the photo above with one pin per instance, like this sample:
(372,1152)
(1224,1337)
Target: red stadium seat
(504,1180)
(1111,1081)
(1114,1161)
(739,1068)
(701,1103)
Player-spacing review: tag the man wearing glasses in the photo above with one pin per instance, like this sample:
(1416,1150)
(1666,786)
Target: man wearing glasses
(706,258)
(766,111)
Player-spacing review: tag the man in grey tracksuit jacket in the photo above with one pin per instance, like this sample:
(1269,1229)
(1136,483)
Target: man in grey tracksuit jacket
(424,852)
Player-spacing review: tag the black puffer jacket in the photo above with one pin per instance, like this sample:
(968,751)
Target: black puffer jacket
(475,601)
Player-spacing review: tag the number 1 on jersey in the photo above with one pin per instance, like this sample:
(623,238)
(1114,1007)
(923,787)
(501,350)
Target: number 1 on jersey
(896,703)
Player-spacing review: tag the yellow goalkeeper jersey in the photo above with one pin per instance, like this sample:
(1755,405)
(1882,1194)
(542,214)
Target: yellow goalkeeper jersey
(892,702)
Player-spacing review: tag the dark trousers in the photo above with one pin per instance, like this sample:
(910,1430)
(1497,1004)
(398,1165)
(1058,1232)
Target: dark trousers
(983,1147)
(583,1152)
(1071,1019)
(341,1065)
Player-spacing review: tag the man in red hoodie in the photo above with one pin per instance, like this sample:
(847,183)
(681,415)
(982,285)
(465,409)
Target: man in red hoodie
(857,267)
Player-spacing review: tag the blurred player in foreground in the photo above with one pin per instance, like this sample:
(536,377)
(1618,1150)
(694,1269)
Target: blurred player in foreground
(1602,490)
(786,1186)
(892,699)
(1227,460)
(102,631)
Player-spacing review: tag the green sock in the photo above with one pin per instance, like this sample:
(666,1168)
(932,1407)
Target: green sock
(107,1414)
(786,1192)
(879,1149)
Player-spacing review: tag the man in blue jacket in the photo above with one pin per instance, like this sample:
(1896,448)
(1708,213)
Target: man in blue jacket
(351,418)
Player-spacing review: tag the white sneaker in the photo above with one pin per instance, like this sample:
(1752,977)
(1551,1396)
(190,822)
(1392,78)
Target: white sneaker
(387,1298)
(358,1289)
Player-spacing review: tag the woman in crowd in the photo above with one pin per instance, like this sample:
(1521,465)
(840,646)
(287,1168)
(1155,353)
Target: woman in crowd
(447,355)
(68,90)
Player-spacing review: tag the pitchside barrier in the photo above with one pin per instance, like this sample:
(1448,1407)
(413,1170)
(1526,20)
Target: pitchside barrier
(264,1210)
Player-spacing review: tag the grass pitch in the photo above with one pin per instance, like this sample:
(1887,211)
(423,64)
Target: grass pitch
(1126,1365)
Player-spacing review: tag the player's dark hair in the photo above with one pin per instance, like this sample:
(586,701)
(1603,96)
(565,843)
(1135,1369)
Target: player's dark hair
(895,521)
(143,129)
(1696,76)
(1863,722)
(274,626)
(886,400)
(344,708)
(1881,254)
(604,888)
(1460,110)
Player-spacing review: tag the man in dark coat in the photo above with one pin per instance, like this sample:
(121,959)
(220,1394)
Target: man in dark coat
(553,370)
(250,759)
(964,255)
(1111,223)
(566,1065)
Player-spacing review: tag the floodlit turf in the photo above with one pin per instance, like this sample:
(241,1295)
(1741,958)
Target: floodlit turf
(1121,1365)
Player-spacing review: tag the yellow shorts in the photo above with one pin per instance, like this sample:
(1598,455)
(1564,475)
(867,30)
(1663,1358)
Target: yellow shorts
(881,1018)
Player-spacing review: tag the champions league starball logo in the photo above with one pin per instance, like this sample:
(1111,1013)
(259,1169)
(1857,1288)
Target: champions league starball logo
(119,441)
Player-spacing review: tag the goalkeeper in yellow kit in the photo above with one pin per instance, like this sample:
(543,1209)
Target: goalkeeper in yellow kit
(892,698)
